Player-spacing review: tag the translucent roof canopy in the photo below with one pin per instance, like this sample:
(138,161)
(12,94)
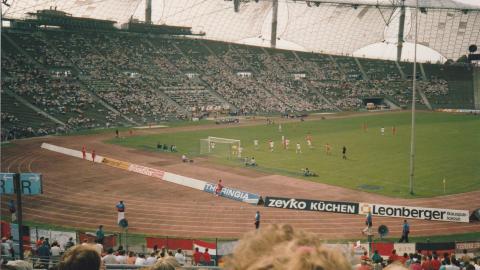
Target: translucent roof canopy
(446,27)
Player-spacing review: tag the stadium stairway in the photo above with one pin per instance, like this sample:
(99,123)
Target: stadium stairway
(208,86)
(400,71)
(33,107)
(41,67)
(30,59)
(25,115)
(360,67)
(161,93)
(424,98)
(422,71)
(252,67)
(308,82)
(339,67)
(232,70)
(87,83)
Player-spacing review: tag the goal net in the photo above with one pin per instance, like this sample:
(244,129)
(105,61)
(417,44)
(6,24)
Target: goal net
(221,147)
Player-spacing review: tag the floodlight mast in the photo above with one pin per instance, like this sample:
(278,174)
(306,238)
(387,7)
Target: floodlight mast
(273,35)
(148,11)
(401,27)
(414,90)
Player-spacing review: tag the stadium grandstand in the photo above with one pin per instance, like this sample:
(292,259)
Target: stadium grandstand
(116,77)
(162,67)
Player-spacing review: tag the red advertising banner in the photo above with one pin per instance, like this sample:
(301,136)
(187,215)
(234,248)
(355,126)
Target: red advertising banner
(169,243)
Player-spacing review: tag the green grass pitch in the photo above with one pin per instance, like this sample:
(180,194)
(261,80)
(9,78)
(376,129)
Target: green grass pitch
(447,147)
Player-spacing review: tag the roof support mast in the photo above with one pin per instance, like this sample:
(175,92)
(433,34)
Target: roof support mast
(401,27)
(414,91)
(273,36)
(148,11)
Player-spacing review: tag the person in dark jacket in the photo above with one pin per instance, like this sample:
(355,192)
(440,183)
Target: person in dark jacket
(44,254)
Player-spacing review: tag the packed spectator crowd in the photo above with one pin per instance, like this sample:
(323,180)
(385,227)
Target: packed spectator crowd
(419,261)
(75,76)
(272,247)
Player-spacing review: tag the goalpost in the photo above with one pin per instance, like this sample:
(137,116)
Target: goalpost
(222,147)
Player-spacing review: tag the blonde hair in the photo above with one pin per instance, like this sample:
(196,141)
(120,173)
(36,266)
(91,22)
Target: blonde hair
(283,248)
(80,257)
(396,266)
(166,263)
(19,265)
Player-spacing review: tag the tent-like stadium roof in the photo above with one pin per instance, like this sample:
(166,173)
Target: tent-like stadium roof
(362,28)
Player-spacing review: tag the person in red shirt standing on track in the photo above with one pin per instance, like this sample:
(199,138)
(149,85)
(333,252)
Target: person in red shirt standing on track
(84,152)
(93,155)
(218,188)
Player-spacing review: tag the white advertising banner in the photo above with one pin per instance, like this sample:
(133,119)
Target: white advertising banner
(438,214)
(402,248)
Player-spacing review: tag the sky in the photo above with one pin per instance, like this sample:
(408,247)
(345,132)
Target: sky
(471,2)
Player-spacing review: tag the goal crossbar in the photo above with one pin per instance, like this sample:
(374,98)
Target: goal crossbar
(220,146)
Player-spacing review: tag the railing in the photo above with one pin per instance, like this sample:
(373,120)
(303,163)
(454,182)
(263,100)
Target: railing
(41,263)
(129,266)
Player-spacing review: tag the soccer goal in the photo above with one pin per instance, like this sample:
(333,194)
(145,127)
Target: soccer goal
(222,147)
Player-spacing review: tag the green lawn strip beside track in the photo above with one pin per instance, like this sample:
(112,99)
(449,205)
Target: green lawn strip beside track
(447,147)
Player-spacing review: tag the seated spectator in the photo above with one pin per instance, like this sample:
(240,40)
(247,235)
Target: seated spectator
(5,249)
(376,258)
(365,257)
(140,260)
(69,244)
(131,257)
(83,257)
(253,162)
(364,266)
(393,257)
(121,258)
(415,264)
(152,259)
(55,251)
(109,258)
(281,247)
(180,257)
(465,257)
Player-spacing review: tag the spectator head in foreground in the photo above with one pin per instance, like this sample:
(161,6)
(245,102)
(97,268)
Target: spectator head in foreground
(168,263)
(395,266)
(18,265)
(83,257)
(281,247)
